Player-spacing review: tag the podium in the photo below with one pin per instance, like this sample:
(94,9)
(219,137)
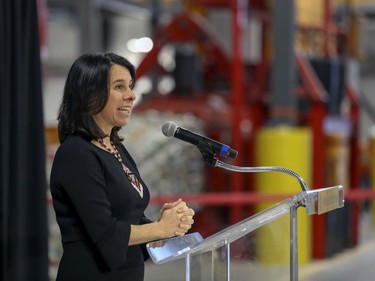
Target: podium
(192,246)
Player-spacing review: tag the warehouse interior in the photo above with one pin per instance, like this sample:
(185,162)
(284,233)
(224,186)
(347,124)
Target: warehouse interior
(285,83)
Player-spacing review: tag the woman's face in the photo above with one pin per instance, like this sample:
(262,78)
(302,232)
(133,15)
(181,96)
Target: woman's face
(120,101)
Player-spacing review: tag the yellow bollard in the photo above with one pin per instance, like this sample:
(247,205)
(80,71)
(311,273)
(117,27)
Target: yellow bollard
(287,147)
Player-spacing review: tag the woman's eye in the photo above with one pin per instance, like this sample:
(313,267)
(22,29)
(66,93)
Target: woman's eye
(119,87)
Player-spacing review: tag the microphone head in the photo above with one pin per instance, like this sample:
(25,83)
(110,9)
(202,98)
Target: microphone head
(169,128)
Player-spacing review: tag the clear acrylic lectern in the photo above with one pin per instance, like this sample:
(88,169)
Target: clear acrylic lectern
(191,247)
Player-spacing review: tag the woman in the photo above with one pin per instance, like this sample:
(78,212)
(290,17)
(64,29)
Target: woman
(98,195)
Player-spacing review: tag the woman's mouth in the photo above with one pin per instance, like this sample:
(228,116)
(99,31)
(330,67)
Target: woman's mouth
(124,109)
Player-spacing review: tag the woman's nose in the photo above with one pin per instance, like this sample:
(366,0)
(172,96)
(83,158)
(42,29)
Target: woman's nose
(130,95)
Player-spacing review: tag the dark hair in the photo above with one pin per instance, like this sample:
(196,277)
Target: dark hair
(86,93)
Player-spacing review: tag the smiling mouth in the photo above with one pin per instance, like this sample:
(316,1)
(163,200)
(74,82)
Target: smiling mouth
(124,109)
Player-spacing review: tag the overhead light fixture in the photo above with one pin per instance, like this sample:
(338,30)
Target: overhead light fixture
(141,45)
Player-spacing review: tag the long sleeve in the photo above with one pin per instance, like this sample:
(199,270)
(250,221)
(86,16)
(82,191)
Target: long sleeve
(92,199)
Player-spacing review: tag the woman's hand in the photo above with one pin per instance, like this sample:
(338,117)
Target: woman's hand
(186,219)
(167,206)
(176,217)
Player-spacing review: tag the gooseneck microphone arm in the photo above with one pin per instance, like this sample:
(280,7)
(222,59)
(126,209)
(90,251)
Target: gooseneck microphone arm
(229,167)
(209,148)
(211,160)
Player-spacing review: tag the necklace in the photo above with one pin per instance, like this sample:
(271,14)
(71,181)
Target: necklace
(129,174)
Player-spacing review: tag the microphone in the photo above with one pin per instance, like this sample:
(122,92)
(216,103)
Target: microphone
(170,129)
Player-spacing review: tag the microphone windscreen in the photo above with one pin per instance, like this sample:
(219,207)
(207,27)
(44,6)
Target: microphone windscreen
(169,128)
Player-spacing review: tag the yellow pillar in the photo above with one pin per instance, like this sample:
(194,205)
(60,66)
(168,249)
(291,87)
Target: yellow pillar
(287,147)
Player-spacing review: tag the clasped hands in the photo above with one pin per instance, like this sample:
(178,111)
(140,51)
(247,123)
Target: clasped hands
(176,218)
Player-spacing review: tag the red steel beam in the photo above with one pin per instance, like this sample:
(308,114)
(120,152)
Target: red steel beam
(237,179)
(250,198)
(354,166)
(318,97)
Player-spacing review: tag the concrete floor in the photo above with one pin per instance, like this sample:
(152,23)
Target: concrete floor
(353,265)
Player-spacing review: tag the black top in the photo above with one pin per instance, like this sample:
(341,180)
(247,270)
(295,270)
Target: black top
(95,205)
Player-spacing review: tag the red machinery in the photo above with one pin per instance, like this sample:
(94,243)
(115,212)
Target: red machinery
(246,99)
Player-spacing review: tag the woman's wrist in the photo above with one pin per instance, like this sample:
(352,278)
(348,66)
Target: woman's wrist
(159,230)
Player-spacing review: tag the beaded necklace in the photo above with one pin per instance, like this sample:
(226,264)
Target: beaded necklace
(129,174)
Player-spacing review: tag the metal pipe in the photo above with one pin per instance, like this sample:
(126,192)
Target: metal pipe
(227,246)
(187,265)
(293,244)
(283,101)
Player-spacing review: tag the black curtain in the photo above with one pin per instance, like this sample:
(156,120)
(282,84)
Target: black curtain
(23,207)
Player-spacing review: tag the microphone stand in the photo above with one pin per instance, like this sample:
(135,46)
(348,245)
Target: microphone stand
(209,157)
